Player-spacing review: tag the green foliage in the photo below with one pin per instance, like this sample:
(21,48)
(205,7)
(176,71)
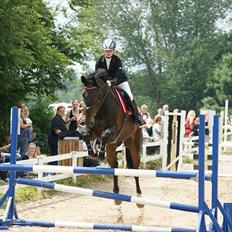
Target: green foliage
(221,86)
(35,59)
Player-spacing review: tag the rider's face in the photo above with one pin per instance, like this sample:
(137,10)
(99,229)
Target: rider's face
(108,53)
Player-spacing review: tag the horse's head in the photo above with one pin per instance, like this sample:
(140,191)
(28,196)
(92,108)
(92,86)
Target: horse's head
(93,96)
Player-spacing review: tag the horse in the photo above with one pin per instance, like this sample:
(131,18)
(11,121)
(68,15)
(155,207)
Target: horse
(105,119)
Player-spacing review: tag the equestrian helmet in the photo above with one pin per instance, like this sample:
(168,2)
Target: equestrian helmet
(108,44)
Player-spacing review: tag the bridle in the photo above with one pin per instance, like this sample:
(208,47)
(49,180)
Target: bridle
(100,101)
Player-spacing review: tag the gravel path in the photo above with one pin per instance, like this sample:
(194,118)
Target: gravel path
(66,207)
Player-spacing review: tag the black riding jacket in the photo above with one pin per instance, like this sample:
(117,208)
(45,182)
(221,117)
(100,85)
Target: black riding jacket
(116,72)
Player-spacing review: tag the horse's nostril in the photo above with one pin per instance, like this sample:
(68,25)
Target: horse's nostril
(91,123)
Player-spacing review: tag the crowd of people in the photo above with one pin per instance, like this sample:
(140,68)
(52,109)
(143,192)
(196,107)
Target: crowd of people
(27,146)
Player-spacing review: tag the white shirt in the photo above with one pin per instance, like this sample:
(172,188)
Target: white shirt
(156,131)
(108,60)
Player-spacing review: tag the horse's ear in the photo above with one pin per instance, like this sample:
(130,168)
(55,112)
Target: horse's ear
(83,80)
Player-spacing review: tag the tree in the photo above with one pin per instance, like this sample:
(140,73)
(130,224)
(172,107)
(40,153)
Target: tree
(171,45)
(220,88)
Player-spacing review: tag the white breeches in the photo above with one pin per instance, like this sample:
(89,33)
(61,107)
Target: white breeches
(125,86)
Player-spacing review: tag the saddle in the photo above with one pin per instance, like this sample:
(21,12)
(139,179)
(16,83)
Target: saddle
(124,100)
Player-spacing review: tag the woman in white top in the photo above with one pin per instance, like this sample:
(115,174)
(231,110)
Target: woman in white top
(156,129)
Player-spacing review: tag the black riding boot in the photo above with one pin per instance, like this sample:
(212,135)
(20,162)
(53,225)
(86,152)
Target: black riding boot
(138,117)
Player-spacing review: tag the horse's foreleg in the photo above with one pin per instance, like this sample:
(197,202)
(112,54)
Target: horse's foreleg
(138,189)
(112,160)
(89,148)
(116,188)
(106,137)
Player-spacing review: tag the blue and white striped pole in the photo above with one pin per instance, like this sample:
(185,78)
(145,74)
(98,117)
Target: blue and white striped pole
(108,195)
(103,171)
(93,226)
(201,177)
(10,212)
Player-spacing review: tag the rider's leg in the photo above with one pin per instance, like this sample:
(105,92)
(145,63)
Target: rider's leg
(138,117)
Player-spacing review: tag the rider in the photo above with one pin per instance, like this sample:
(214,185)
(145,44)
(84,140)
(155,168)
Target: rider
(113,64)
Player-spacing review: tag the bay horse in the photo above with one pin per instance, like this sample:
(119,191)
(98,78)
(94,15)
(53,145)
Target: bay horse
(106,120)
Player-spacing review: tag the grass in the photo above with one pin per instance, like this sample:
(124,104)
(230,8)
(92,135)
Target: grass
(228,151)
(31,193)
(187,160)
(84,180)
(156,164)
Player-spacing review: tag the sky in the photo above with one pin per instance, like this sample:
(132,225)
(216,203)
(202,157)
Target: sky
(62,19)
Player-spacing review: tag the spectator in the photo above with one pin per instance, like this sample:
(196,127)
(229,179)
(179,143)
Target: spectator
(189,122)
(31,151)
(38,144)
(23,138)
(165,109)
(58,128)
(72,115)
(144,112)
(82,111)
(160,112)
(156,129)
(29,122)
(149,125)
(195,129)
(146,136)
(6,145)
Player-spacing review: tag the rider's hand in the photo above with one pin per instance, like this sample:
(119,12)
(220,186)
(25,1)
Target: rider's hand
(108,83)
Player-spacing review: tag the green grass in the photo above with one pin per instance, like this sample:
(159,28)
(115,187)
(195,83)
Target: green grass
(187,160)
(31,193)
(156,164)
(228,151)
(84,181)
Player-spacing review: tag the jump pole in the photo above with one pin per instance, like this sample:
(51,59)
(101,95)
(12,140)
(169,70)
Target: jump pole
(108,195)
(103,171)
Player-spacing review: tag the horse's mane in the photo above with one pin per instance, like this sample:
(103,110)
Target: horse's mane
(101,73)
(96,78)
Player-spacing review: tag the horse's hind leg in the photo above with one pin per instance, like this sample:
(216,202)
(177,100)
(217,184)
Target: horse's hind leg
(112,160)
(133,161)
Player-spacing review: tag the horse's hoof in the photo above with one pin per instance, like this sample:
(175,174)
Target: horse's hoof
(139,205)
(117,202)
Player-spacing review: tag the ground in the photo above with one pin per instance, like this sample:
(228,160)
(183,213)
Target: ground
(66,207)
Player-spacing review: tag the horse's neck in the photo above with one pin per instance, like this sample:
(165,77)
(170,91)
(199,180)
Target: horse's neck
(110,107)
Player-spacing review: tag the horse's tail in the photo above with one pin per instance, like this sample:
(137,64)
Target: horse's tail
(128,159)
